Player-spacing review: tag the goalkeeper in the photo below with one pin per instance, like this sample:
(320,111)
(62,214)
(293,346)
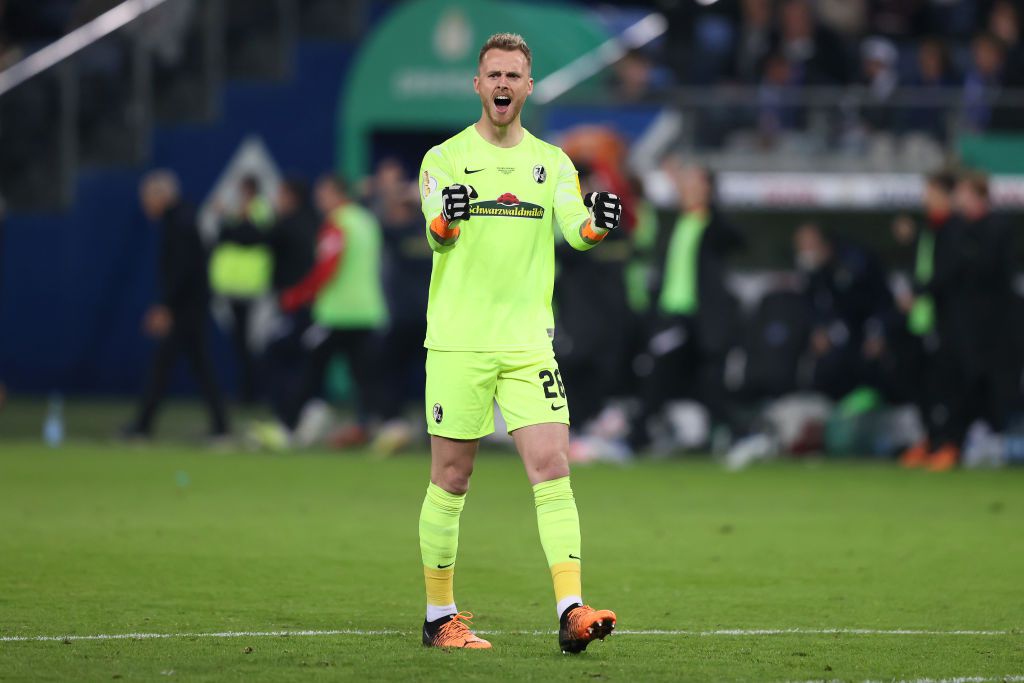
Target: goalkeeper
(490,196)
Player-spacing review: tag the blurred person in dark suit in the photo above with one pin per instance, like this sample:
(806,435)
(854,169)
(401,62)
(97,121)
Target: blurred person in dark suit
(292,243)
(848,299)
(695,321)
(984,304)
(178,320)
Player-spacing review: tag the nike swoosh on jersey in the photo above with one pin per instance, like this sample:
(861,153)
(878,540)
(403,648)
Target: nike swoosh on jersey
(554,407)
(467,171)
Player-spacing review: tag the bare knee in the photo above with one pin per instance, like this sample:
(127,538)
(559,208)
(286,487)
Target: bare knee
(546,464)
(451,463)
(453,477)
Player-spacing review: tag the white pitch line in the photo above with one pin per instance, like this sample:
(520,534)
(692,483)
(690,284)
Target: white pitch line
(216,634)
(623,632)
(957,679)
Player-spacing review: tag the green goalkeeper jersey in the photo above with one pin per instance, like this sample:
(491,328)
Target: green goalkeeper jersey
(491,285)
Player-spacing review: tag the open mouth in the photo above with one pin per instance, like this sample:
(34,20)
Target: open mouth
(502,103)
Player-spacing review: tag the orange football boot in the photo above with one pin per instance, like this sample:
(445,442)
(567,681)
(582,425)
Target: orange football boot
(453,631)
(581,624)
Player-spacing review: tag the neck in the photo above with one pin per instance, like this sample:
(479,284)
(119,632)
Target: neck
(500,136)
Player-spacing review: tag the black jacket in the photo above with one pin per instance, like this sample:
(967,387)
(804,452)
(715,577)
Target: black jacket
(183,281)
(973,290)
(293,244)
(850,289)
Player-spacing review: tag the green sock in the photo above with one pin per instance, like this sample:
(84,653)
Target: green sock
(439,543)
(559,525)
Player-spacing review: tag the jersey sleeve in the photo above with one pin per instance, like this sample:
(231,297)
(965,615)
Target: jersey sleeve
(435,174)
(570,213)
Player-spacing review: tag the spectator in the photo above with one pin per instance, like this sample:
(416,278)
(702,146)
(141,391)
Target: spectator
(696,321)
(1004,22)
(775,114)
(849,301)
(292,242)
(754,40)
(982,81)
(344,288)
(930,320)
(813,53)
(635,79)
(880,77)
(241,271)
(933,70)
(178,321)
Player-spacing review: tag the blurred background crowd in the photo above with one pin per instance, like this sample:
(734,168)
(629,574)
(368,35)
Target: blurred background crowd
(820,246)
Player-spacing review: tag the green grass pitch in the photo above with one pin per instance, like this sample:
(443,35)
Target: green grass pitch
(113,539)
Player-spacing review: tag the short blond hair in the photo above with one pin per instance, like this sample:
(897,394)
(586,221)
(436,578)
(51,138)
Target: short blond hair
(509,42)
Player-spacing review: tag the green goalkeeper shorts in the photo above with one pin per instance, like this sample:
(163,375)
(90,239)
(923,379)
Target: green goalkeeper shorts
(462,387)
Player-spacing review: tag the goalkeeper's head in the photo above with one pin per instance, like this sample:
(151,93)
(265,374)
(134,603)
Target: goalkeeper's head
(503,77)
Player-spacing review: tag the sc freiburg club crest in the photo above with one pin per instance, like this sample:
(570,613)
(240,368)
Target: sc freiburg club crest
(507,206)
(539,174)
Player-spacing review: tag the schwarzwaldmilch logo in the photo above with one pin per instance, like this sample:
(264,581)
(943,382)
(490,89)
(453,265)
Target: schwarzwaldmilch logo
(507,206)
(438,413)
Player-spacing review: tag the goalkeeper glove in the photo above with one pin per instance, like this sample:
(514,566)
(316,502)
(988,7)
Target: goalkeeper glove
(605,209)
(455,202)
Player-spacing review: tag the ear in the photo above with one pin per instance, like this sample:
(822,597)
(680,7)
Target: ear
(529,86)
(476,84)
